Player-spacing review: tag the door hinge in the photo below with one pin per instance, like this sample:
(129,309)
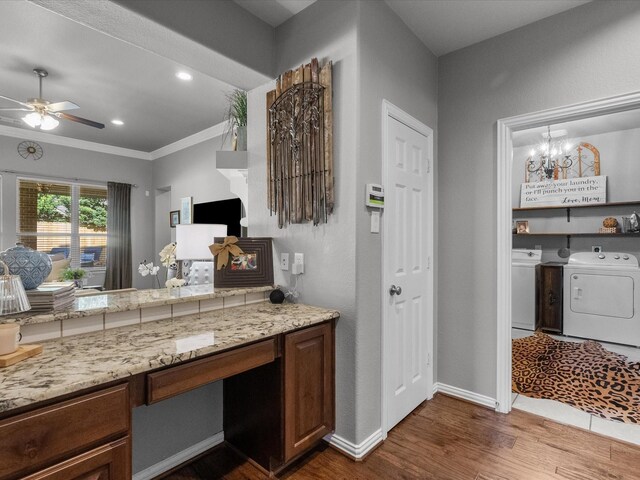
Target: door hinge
(428,263)
(428,165)
(428,359)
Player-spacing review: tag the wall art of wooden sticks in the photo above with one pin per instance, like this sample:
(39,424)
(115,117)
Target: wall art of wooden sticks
(300,145)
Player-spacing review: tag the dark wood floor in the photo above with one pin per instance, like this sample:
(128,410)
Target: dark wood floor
(453,440)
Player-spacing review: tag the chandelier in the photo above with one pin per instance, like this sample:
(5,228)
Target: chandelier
(552,155)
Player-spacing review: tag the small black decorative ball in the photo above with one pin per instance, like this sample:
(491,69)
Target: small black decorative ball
(277,296)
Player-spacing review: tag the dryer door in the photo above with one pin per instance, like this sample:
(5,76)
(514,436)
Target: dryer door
(606,295)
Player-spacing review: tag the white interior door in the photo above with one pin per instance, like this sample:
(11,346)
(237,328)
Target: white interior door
(408,272)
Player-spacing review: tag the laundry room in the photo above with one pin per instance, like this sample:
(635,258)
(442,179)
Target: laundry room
(575,272)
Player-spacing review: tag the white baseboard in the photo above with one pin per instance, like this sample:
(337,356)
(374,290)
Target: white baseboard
(465,395)
(180,457)
(351,449)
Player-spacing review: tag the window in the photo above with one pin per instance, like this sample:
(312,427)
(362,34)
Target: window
(64,219)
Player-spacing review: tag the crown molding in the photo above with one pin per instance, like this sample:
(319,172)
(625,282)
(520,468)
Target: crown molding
(186,142)
(204,135)
(72,142)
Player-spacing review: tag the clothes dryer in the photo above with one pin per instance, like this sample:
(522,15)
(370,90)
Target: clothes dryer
(602,297)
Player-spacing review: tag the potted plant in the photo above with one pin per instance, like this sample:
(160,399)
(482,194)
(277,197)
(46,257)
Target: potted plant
(74,274)
(236,116)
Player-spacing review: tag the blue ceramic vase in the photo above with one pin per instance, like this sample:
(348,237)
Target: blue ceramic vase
(32,266)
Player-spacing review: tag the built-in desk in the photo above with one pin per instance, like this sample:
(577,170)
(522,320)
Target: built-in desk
(65,414)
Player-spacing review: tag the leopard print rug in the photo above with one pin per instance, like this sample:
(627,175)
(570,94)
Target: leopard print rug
(584,375)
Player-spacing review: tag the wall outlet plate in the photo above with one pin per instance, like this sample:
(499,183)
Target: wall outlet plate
(284,261)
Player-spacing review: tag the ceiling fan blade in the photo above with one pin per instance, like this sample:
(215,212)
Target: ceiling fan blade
(60,106)
(17,101)
(73,118)
(15,110)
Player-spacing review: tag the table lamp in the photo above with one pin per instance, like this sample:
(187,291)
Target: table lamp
(13,298)
(192,243)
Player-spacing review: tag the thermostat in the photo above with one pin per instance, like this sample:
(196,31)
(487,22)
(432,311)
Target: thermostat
(374,196)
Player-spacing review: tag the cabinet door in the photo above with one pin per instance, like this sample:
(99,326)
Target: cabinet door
(108,462)
(550,299)
(309,388)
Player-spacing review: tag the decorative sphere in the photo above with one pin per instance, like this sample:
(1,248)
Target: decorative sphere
(277,296)
(610,222)
(32,266)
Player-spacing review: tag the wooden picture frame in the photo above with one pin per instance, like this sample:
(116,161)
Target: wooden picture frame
(522,226)
(253,269)
(174,218)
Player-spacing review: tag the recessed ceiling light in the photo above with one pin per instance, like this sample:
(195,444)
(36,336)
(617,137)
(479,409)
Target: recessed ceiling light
(117,122)
(184,76)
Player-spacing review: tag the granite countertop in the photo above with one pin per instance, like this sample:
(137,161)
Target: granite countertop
(119,302)
(74,363)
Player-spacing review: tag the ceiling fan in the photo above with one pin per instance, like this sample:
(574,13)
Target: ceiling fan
(45,114)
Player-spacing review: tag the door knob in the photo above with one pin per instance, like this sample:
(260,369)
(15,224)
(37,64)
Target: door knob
(395,290)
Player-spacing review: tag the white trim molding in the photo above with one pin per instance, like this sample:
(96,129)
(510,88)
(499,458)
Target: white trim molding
(186,142)
(505,128)
(467,395)
(179,458)
(389,110)
(72,142)
(355,451)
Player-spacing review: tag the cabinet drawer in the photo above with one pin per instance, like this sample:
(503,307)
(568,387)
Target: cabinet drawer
(180,379)
(33,440)
(108,462)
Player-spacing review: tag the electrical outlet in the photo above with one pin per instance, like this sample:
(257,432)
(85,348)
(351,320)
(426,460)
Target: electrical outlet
(298,258)
(284,261)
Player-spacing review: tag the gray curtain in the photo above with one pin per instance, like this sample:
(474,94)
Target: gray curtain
(119,268)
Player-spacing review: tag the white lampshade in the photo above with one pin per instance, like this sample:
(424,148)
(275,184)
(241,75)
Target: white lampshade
(192,241)
(48,123)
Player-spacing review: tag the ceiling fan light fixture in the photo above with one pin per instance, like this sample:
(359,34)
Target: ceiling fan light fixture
(32,119)
(48,123)
(115,121)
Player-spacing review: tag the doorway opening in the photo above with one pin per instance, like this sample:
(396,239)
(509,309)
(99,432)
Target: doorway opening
(576,250)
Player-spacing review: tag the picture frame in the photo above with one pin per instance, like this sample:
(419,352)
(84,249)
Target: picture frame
(252,269)
(186,211)
(174,218)
(522,226)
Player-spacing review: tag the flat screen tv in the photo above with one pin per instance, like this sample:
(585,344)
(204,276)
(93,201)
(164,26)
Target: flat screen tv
(226,212)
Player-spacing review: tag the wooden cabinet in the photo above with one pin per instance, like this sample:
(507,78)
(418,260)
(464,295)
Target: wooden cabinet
(309,388)
(108,462)
(549,297)
(37,439)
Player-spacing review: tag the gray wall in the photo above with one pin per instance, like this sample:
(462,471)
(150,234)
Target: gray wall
(188,173)
(396,66)
(327,30)
(61,161)
(171,426)
(224,27)
(583,54)
(342,268)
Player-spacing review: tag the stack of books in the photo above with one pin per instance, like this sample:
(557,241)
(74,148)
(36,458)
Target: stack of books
(51,296)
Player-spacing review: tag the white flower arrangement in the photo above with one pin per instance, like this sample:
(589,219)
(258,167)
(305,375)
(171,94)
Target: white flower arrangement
(167,259)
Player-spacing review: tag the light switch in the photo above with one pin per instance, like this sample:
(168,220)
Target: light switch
(375,222)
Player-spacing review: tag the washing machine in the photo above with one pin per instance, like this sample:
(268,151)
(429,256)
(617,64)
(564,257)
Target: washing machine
(602,297)
(523,287)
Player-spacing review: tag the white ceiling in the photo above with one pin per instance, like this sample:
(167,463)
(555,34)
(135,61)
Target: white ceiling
(448,25)
(274,12)
(106,77)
